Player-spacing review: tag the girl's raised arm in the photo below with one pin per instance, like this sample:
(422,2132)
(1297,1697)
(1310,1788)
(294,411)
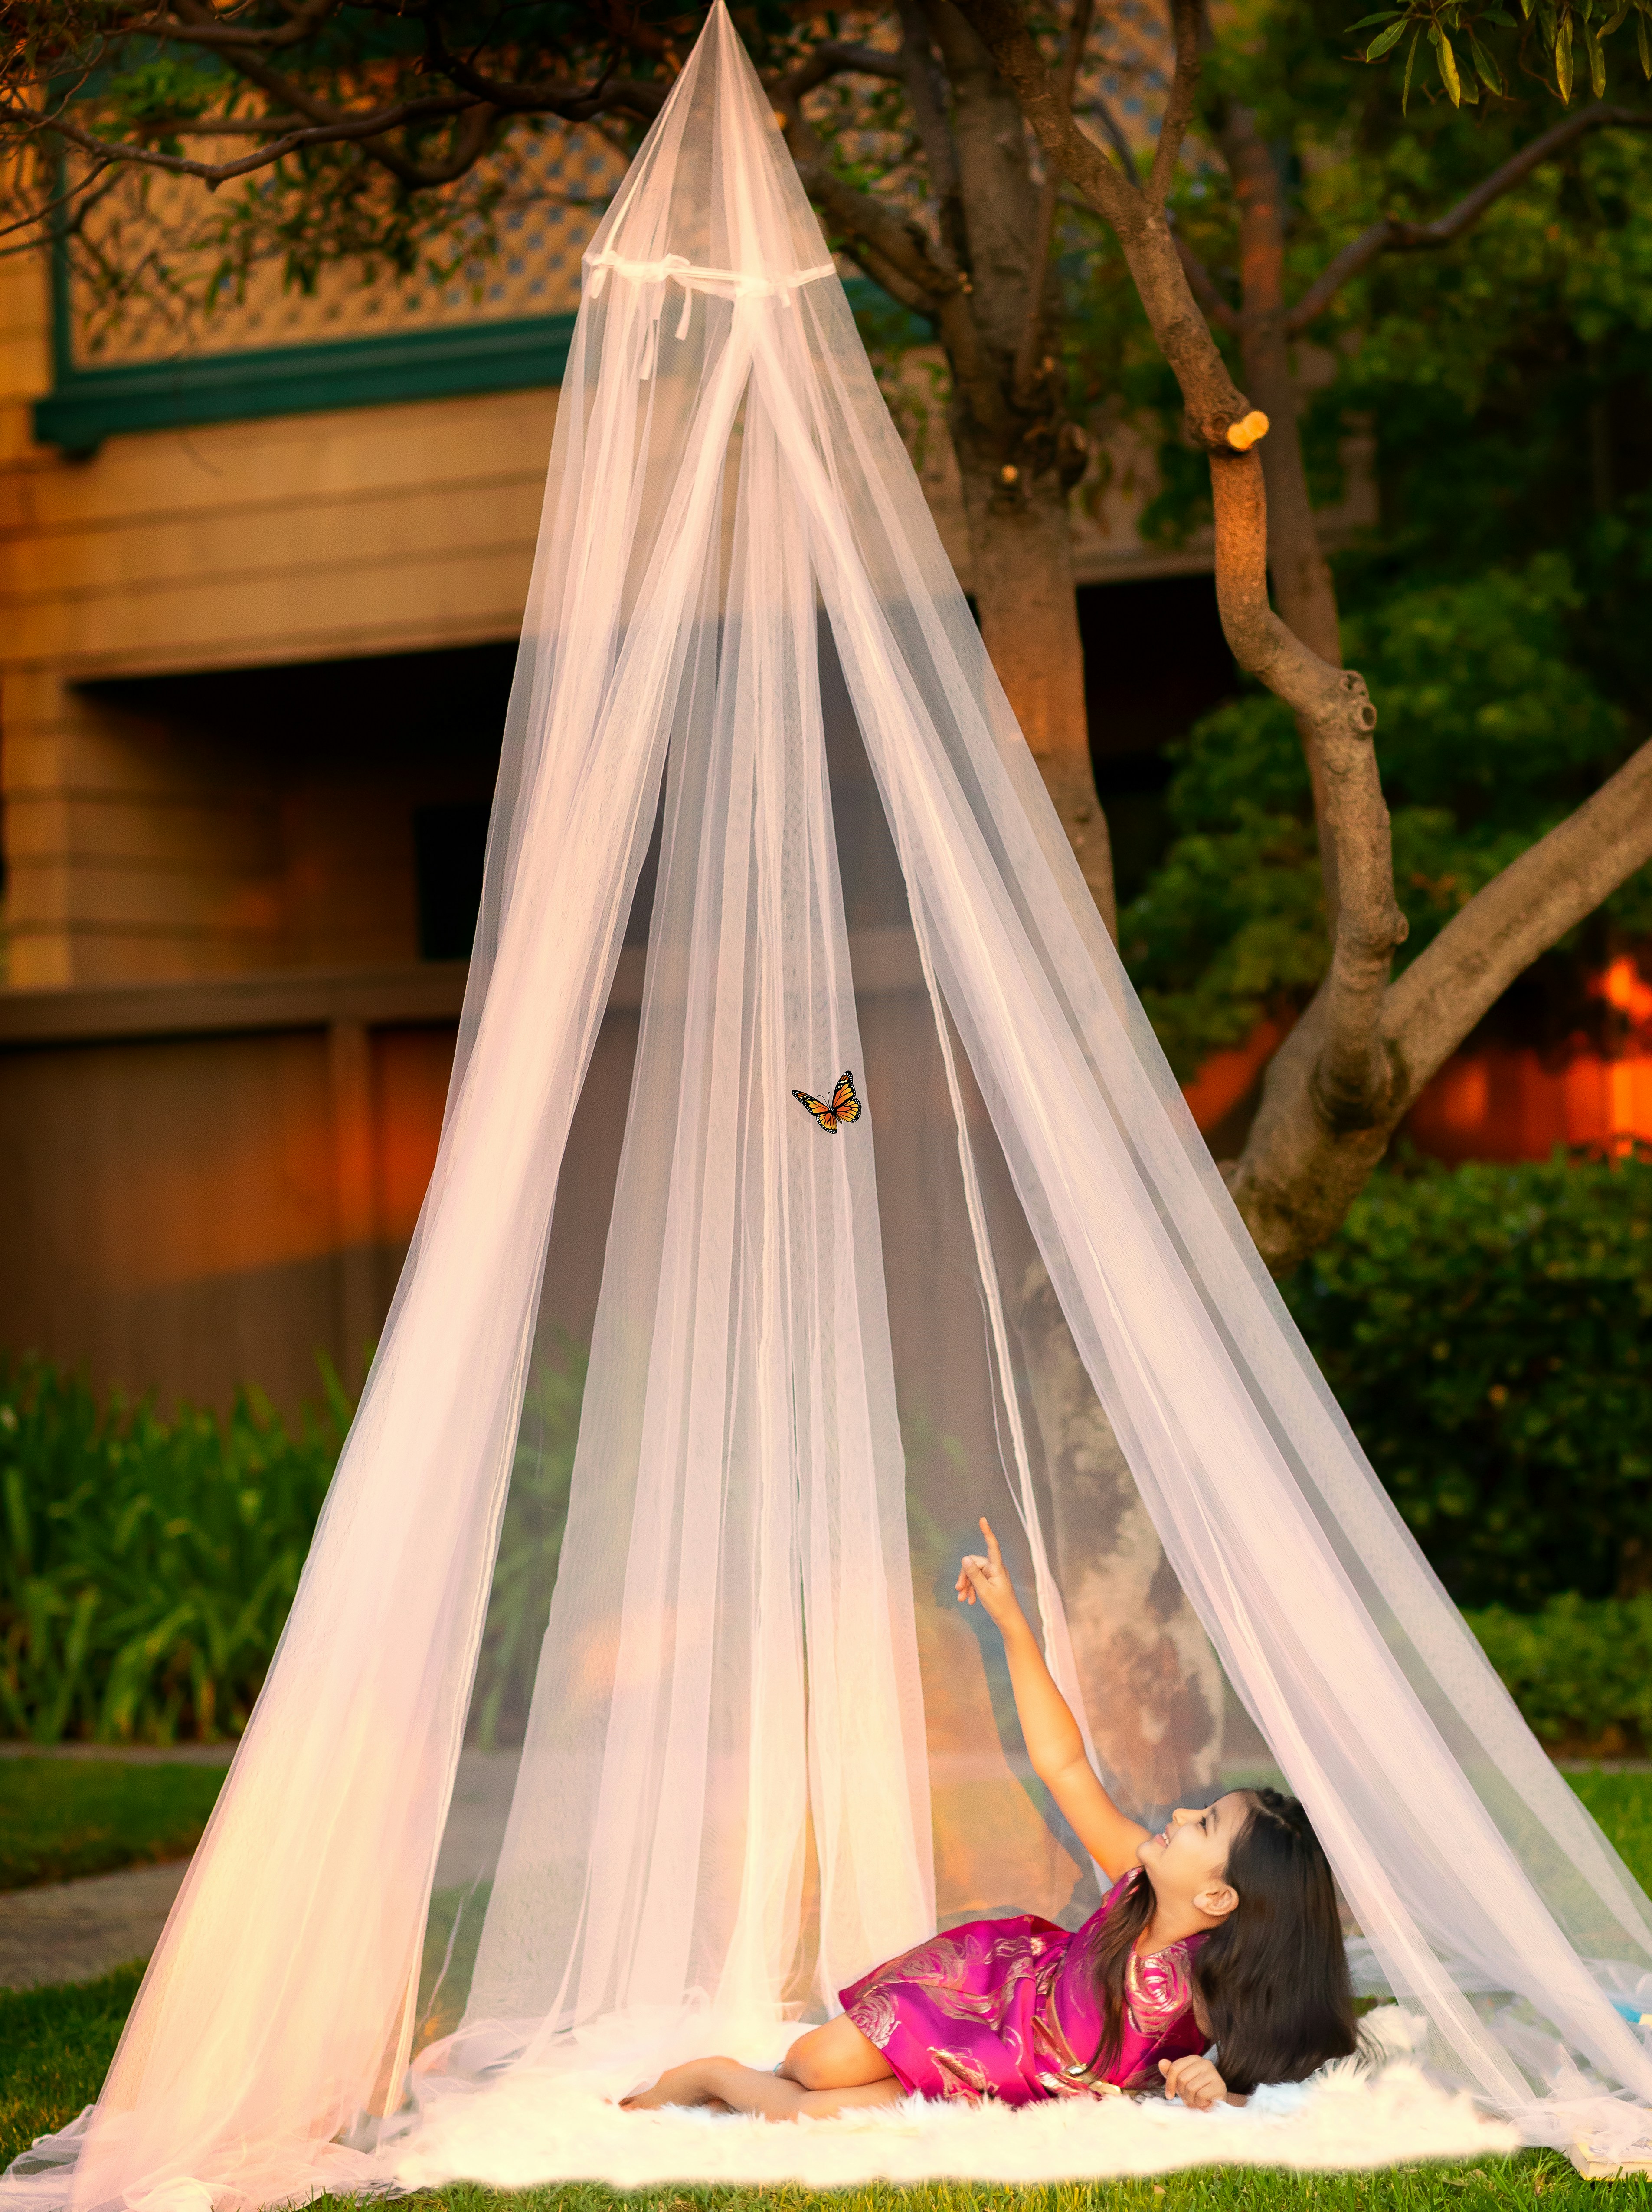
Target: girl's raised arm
(1054,1744)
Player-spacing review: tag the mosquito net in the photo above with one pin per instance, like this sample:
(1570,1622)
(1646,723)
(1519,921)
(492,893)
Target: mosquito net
(735,1384)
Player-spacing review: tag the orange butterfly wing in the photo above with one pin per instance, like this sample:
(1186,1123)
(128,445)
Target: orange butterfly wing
(845,1104)
(821,1112)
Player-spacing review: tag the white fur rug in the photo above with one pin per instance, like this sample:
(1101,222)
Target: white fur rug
(530,2127)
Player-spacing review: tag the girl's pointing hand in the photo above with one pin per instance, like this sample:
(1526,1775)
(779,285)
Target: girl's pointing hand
(986,1581)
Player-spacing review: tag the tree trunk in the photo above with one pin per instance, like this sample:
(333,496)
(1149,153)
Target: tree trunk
(1017,454)
(1021,549)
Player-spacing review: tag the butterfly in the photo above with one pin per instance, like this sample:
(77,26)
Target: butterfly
(845,1106)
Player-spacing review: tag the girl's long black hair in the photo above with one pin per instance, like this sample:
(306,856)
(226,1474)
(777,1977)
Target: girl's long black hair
(1271,1984)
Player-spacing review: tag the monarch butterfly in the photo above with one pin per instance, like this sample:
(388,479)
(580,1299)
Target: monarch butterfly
(845,1106)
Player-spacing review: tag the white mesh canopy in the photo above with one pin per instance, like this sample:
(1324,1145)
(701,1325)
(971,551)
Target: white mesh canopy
(764,816)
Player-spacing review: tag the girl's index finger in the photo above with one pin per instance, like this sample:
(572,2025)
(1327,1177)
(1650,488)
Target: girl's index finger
(994,1557)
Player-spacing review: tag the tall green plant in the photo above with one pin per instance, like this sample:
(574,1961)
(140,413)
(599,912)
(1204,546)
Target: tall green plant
(147,1565)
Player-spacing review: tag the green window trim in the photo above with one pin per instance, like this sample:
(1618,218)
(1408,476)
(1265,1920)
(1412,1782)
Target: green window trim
(87,405)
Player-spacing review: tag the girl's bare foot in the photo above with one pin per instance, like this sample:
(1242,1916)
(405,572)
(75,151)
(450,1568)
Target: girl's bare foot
(696,2084)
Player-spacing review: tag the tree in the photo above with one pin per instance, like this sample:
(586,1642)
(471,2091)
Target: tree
(1496,606)
(372,127)
(1366,1044)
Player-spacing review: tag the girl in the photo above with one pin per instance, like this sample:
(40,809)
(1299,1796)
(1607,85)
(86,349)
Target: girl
(1222,1929)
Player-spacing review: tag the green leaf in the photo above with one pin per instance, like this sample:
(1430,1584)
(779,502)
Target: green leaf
(1448,77)
(1382,15)
(1563,59)
(1381,44)
(1597,62)
(1410,63)
(1611,24)
(1646,52)
(1490,74)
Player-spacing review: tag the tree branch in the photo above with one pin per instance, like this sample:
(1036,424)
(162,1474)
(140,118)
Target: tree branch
(999,25)
(1038,276)
(835,57)
(573,106)
(893,251)
(306,19)
(1352,1081)
(1186,15)
(926,92)
(1391,235)
(1298,1177)
(1523,910)
(345,130)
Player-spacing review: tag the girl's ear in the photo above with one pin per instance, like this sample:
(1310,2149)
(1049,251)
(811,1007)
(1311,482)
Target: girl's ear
(1217,1900)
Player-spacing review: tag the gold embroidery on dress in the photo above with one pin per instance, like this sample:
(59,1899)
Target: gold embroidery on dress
(873,2013)
(962,2075)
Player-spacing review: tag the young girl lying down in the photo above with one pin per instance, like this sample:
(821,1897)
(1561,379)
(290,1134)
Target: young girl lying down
(1221,1930)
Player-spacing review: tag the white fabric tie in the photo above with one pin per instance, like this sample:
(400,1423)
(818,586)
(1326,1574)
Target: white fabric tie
(727,283)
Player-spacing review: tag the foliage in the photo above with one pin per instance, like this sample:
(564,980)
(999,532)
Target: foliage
(1579,1670)
(146,1567)
(1467,39)
(1489,734)
(1486,1331)
(61,1819)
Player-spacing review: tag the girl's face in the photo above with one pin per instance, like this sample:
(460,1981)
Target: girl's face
(1186,1862)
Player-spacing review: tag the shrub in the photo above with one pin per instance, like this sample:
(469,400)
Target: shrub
(1485,1329)
(1580,1671)
(145,1565)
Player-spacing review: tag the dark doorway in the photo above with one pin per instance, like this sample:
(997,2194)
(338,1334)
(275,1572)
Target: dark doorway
(1155,660)
(450,844)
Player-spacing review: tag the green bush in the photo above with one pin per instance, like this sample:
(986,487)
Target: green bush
(145,1565)
(1581,1671)
(1486,1331)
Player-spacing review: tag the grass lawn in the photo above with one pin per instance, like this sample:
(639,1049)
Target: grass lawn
(61,1818)
(56,2043)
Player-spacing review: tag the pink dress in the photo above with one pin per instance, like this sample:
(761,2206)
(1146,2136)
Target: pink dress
(1008,2008)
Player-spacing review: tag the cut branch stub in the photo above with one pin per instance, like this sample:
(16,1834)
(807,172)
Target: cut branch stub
(1248,431)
